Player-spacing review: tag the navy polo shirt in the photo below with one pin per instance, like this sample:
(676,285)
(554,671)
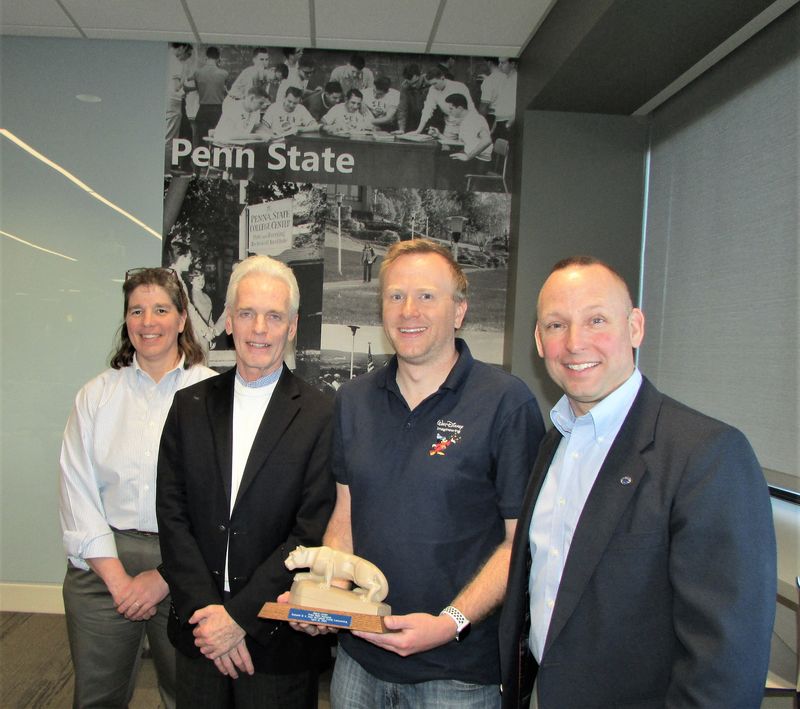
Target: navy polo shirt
(430,490)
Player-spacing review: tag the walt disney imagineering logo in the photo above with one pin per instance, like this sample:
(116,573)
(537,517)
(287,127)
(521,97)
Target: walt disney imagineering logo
(448,433)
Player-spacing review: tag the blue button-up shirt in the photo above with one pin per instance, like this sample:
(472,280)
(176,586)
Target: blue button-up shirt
(578,459)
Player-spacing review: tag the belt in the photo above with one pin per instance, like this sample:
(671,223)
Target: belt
(136,532)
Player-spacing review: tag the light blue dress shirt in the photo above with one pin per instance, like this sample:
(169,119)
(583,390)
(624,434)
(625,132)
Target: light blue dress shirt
(109,455)
(578,459)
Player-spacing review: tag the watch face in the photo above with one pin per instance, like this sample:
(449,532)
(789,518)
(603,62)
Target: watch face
(461,634)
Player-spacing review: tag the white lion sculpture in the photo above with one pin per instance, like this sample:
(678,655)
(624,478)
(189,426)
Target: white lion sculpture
(326,564)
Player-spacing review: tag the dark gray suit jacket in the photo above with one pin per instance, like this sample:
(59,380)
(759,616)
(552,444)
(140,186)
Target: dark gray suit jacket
(285,498)
(668,593)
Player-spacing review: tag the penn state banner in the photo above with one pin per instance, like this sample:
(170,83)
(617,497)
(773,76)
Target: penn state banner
(323,159)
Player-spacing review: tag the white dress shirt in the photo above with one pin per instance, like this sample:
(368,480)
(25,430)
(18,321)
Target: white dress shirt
(501,95)
(578,459)
(109,455)
(235,121)
(490,87)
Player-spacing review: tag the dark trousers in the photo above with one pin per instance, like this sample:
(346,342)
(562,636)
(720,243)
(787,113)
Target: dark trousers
(202,686)
(206,119)
(501,130)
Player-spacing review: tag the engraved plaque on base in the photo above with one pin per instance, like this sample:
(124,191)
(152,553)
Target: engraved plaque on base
(305,602)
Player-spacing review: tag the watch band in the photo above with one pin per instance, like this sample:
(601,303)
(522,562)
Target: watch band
(462,622)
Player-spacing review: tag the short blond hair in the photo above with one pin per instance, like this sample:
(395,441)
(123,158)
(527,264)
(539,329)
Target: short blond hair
(426,246)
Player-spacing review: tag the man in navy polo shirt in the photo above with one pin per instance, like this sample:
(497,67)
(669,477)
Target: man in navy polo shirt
(431,455)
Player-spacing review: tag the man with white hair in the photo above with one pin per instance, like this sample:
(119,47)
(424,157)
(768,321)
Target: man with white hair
(243,479)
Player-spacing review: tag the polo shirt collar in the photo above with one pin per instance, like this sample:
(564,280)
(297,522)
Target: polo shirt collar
(456,377)
(460,371)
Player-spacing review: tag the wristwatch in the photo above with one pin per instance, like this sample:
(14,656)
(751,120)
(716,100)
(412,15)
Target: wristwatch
(462,623)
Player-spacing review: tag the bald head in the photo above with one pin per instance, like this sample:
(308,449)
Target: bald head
(586,330)
(581,261)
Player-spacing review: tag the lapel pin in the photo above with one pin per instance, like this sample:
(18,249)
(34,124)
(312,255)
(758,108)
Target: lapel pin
(626,480)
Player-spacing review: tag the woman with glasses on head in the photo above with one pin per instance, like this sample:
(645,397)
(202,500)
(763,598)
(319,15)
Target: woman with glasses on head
(114,594)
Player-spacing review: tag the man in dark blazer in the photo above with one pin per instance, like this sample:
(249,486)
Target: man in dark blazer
(643,569)
(243,479)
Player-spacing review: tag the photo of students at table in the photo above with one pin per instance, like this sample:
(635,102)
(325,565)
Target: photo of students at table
(396,102)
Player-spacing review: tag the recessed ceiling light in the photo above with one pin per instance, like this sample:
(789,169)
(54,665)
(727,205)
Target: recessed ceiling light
(88,98)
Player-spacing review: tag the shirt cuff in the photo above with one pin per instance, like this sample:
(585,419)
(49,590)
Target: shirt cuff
(91,547)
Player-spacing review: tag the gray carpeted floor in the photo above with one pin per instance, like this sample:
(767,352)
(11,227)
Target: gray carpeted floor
(36,671)
(35,667)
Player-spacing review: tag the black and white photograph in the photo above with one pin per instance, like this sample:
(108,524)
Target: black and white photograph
(324,159)
(334,237)
(309,115)
(364,222)
(219,224)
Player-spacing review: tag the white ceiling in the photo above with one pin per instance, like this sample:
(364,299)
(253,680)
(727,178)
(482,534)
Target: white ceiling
(467,27)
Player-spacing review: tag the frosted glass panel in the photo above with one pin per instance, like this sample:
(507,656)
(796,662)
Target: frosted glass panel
(58,317)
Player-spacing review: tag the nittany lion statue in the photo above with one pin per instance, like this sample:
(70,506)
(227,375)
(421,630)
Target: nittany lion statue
(326,564)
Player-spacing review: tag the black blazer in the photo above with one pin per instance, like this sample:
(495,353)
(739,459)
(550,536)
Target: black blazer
(285,498)
(668,593)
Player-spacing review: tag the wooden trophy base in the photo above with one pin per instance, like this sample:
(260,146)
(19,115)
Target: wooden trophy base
(318,616)
(340,609)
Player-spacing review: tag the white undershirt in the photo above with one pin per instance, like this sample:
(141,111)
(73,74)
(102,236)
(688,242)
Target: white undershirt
(249,407)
